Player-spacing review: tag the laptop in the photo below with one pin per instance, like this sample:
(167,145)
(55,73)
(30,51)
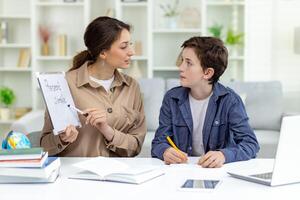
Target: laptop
(287,160)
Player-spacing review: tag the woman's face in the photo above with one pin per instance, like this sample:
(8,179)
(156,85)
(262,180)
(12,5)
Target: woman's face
(120,52)
(191,72)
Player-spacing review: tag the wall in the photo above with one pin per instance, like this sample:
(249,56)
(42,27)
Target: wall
(270,53)
(286,63)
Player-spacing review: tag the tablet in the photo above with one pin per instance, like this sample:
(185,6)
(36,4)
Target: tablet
(198,184)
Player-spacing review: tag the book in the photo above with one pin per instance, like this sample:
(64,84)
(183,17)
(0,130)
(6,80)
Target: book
(108,169)
(52,164)
(20,179)
(21,154)
(24,58)
(25,162)
(62,44)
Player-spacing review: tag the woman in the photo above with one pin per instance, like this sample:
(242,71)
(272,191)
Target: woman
(203,117)
(115,124)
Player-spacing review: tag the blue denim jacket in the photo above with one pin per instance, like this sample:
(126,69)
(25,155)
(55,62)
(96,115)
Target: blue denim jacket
(226,126)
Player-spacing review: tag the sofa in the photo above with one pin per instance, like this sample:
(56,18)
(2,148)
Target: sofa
(263,102)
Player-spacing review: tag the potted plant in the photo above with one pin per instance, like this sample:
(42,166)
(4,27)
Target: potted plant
(233,40)
(170,13)
(7,98)
(216,30)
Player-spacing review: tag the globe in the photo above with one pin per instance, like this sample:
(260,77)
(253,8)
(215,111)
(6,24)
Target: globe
(16,140)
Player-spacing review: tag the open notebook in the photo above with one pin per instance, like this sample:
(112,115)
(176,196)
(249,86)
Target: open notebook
(109,169)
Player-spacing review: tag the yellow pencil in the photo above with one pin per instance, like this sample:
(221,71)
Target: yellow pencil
(174,146)
(172,143)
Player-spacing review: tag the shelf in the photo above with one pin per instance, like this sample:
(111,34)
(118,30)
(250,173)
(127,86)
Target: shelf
(65,4)
(134,4)
(236,57)
(225,3)
(26,17)
(7,122)
(165,68)
(139,58)
(14,45)
(54,58)
(15,69)
(184,30)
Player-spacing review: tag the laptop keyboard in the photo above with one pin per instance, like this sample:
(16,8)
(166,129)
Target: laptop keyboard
(266,176)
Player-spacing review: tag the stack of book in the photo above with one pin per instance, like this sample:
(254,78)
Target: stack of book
(31,165)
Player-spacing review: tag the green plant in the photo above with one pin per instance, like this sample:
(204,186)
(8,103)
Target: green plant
(233,38)
(7,96)
(216,30)
(170,11)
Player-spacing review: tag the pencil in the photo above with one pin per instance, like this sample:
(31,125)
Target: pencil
(172,143)
(174,146)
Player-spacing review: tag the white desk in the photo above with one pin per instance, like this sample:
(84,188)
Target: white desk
(164,187)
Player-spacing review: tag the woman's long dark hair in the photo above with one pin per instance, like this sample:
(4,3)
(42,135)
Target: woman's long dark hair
(99,36)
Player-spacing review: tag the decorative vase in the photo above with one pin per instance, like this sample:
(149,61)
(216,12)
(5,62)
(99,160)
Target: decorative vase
(45,49)
(171,22)
(5,113)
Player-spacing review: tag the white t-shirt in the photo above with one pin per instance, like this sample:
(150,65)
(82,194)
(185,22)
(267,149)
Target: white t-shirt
(105,83)
(198,110)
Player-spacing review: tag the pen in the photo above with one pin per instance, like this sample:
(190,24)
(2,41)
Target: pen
(80,111)
(174,146)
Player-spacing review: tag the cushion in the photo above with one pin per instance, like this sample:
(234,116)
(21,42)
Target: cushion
(146,148)
(153,91)
(172,82)
(264,103)
(243,97)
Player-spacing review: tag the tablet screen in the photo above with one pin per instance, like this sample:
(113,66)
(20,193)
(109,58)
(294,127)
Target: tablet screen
(200,184)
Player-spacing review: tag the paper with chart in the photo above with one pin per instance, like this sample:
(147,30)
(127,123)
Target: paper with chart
(57,96)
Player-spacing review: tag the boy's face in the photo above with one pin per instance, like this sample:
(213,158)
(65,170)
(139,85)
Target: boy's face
(191,73)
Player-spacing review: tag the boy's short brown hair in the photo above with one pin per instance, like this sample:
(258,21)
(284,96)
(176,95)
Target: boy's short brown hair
(211,53)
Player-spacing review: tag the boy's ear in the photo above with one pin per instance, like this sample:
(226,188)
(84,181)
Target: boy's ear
(208,73)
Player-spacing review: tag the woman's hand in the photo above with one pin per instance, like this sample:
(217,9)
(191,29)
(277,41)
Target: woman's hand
(97,118)
(212,159)
(172,156)
(69,135)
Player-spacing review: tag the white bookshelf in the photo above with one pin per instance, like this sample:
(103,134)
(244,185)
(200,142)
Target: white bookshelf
(134,4)
(160,43)
(15,69)
(136,14)
(59,4)
(181,30)
(17,16)
(15,45)
(53,58)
